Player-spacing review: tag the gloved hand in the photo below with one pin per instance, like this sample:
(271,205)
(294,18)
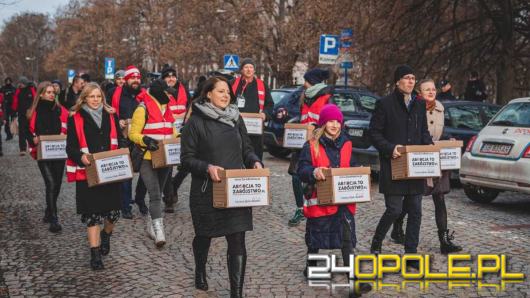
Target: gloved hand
(172,91)
(152,144)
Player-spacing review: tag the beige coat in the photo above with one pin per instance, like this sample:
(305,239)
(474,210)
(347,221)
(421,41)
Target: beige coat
(435,121)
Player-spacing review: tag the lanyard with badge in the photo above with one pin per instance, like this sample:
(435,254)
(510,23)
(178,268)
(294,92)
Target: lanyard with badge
(241,98)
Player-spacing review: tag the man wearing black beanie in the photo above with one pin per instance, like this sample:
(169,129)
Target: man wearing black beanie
(399,120)
(253,96)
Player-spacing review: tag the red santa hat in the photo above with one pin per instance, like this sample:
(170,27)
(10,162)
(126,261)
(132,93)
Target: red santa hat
(132,71)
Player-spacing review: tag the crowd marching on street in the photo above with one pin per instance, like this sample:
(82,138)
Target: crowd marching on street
(130,114)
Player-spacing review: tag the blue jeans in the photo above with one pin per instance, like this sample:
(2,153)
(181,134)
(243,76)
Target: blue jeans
(126,196)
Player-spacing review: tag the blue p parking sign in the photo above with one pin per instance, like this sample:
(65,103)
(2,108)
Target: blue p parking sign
(329,49)
(110,68)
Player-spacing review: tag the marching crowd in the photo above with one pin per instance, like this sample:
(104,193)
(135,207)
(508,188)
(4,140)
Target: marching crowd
(214,137)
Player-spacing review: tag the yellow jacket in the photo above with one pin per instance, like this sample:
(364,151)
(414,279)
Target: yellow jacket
(138,123)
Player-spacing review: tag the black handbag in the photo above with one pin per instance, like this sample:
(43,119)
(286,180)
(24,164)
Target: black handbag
(137,156)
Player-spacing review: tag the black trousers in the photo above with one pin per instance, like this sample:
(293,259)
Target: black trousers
(171,188)
(236,244)
(257,144)
(1,136)
(23,132)
(7,127)
(440,212)
(52,172)
(395,204)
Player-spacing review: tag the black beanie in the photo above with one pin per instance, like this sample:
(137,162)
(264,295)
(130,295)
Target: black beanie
(316,75)
(246,61)
(157,89)
(402,71)
(166,71)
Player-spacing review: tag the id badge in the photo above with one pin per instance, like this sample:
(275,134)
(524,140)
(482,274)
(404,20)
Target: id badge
(240,102)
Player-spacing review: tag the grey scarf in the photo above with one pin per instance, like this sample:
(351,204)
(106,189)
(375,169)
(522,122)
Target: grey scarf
(313,90)
(96,114)
(229,115)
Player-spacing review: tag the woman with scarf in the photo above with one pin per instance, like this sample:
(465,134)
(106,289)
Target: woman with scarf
(94,128)
(436,187)
(316,94)
(153,121)
(47,117)
(215,138)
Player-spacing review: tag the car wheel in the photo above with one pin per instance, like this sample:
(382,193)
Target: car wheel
(479,194)
(279,152)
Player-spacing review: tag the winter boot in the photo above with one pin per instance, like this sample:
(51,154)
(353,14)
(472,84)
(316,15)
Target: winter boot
(158,227)
(55,227)
(236,273)
(201,258)
(375,248)
(297,218)
(446,246)
(95,259)
(105,242)
(149,229)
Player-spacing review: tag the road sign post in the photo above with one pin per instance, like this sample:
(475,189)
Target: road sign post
(231,62)
(110,68)
(328,49)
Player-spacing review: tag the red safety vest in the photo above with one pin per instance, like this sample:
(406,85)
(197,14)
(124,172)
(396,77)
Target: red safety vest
(261,91)
(158,126)
(311,207)
(311,114)
(75,172)
(178,106)
(116,97)
(64,119)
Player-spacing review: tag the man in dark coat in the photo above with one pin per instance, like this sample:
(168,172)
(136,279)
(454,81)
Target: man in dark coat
(8,92)
(399,119)
(69,98)
(247,96)
(475,89)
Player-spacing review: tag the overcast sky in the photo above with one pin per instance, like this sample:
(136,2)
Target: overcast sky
(18,6)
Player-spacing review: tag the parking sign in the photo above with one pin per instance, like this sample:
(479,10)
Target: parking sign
(329,49)
(71,75)
(110,68)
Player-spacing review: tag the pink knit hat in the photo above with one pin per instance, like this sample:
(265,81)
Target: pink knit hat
(330,112)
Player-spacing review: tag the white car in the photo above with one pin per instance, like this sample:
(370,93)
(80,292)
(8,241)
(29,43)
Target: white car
(498,158)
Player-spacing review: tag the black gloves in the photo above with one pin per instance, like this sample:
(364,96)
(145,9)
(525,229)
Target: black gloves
(152,144)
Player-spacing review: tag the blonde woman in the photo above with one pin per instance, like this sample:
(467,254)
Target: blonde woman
(47,117)
(94,128)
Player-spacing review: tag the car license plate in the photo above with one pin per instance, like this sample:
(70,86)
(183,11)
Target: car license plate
(355,132)
(496,148)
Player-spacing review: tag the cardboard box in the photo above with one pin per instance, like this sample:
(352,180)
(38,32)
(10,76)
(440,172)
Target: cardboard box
(167,155)
(179,121)
(127,129)
(450,154)
(344,186)
(51,147)
(253,122)
(295,135)
(242,188)
(416,162)
(109,167)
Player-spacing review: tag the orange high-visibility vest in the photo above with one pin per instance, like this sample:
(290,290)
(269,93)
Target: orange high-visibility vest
(311,207)
(157,126)
(75,172)
(311,114)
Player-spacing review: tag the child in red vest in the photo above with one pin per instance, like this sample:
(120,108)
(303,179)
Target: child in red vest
(333,226)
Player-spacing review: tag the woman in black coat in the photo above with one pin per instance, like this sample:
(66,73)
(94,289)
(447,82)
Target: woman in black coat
(99,204)
(215,138)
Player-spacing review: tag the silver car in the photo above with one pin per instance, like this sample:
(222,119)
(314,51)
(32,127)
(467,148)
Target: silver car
(498,158)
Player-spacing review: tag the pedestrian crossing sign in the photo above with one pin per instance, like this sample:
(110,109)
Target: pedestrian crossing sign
(231,62)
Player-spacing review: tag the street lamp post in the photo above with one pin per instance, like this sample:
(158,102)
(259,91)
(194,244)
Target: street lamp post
(32,59)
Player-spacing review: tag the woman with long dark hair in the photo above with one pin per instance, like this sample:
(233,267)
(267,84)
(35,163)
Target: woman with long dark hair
(213,139)
(47,117)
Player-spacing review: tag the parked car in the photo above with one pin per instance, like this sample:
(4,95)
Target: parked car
(498,158)
(463,120)
(357,105)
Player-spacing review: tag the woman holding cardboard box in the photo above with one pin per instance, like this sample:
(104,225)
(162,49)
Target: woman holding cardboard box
(152,121)
(47,117)
(436,187)
(215,138)
(331,226)
(93,128)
